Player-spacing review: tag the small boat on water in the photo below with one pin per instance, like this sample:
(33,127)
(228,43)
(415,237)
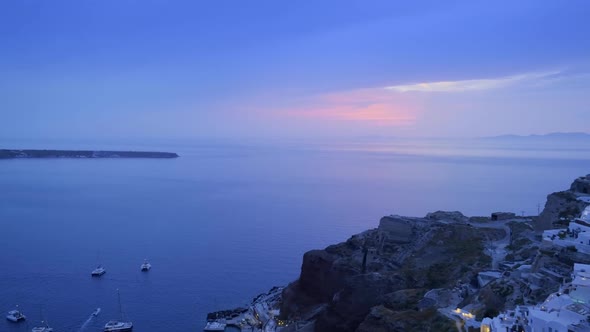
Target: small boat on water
(119,325)
(146,266)
(15,316)
(42,329)
(45,328)
(96,312)
(99,271)
(214,326)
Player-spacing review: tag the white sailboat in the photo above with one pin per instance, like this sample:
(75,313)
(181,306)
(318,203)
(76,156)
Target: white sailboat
(119,325)
(146,266)
(45,328)
(100,270)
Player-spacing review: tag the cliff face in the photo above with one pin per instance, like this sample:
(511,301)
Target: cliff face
(581,185)
(563,204)
(323,273)
(357,285)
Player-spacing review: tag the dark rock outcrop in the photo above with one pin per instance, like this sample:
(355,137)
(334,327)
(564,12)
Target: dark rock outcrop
(562,204)
(395,229)
(447,216)
(352,303)
(581,185)
(408,255)
(323,273)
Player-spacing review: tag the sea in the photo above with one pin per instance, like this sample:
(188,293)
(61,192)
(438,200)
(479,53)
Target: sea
(228,220)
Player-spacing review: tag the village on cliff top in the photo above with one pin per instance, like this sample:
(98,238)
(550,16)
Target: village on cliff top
(443,272)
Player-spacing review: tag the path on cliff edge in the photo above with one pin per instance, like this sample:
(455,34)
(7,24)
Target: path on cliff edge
(496,249)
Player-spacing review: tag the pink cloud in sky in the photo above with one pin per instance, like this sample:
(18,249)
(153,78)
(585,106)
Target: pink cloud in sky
(436,108)
(374,106)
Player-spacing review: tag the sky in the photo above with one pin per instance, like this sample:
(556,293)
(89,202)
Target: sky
(332,68)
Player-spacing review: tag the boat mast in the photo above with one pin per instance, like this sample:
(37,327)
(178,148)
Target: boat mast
(120,306)
(43,318)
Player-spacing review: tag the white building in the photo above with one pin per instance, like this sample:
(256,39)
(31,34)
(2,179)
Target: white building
(557,314)
(577,234)
(513,320)
(579,289)
(565,311)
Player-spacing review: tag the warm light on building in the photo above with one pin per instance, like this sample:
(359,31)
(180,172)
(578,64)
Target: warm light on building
(464,314)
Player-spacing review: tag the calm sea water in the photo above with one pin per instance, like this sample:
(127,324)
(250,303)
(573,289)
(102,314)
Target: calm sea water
(227,221)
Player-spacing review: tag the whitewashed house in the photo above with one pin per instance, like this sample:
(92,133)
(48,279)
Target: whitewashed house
(565,311)
(577,234)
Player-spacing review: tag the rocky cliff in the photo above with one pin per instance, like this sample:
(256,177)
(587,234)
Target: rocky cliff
(374,281)
(411,274)
(564,205)
(581,185)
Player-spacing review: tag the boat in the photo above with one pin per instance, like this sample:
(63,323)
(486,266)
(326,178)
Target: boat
(118,325)
(42,329)
(15,316)
(146,266)
(45,328)
(99,271)
(215,326)
(96,312)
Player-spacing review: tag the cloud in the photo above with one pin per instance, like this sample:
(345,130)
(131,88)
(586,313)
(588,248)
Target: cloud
(384,114)
(475,84)
(393,106)
(374,106)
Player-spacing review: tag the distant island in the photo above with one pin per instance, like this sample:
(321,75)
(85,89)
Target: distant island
(13,154)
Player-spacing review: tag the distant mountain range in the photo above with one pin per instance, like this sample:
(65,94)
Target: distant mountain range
(550,136)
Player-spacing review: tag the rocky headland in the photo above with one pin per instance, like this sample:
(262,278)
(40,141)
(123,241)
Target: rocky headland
(376,281)
(13,154)
(562,206)
(441,272)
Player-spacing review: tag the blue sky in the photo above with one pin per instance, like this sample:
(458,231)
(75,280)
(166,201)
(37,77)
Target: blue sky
(180,69)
